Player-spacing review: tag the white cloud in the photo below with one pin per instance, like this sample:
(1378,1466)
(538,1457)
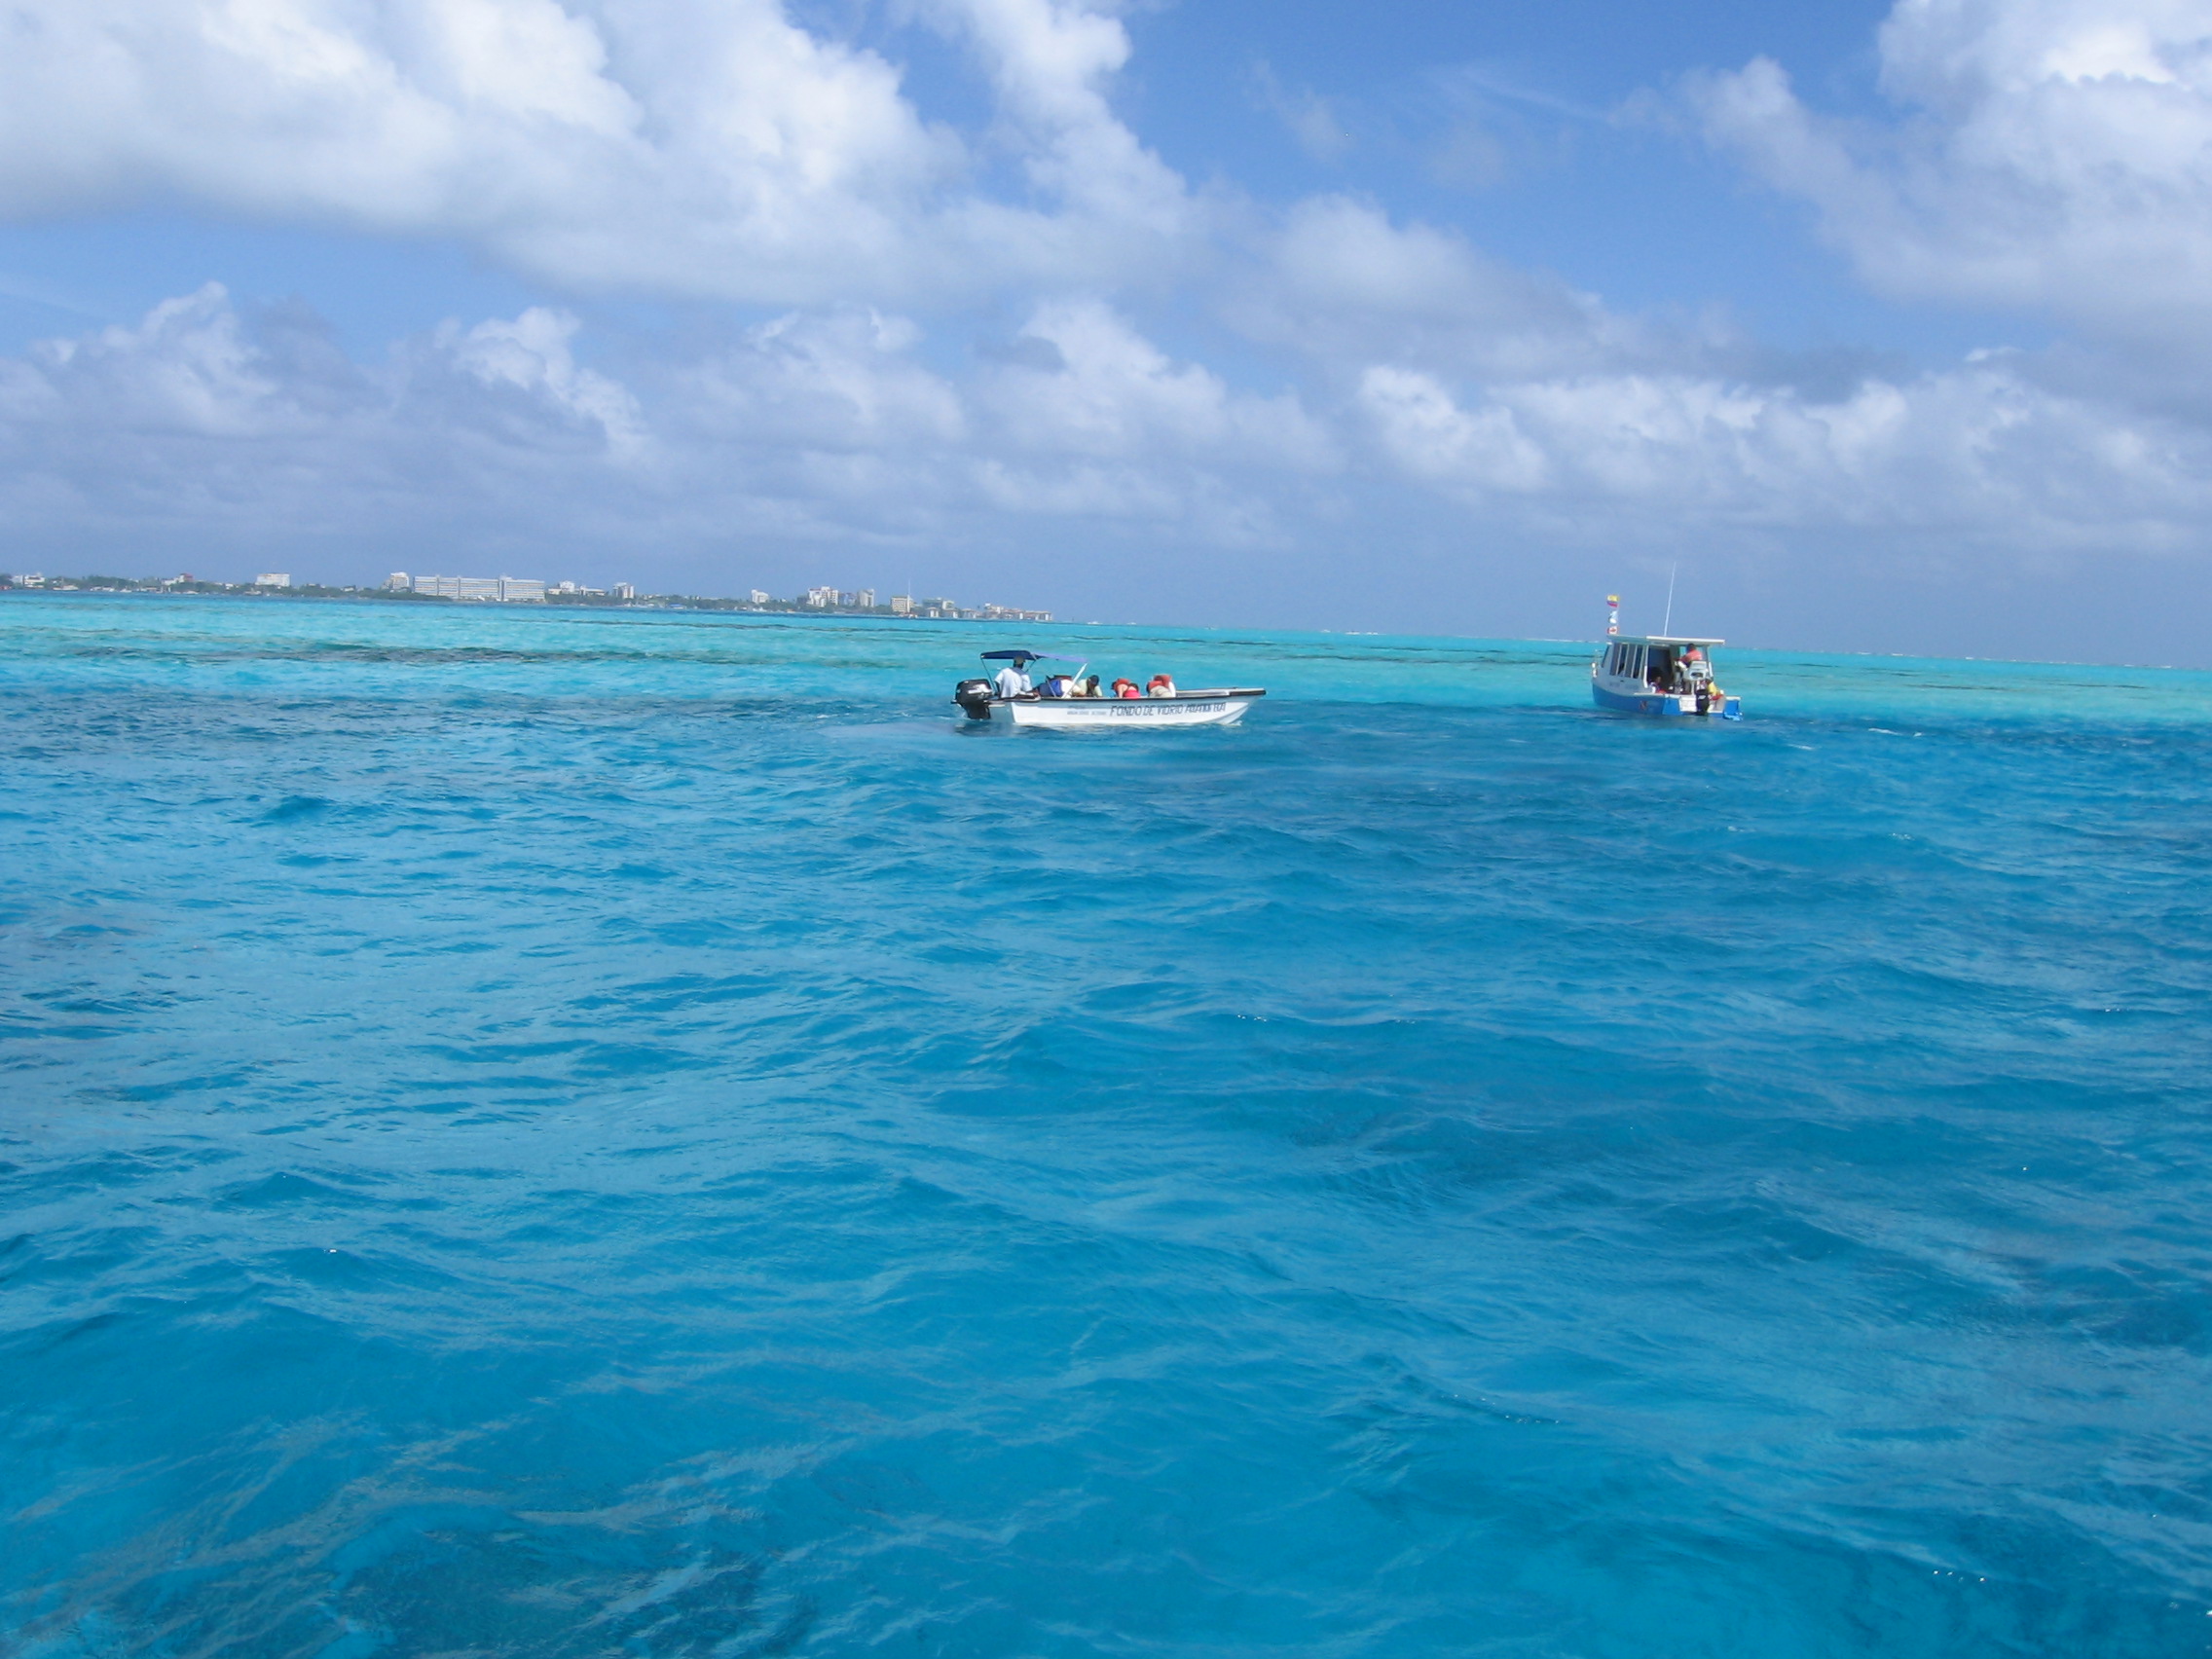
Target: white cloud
(204,422)
(1427,434)
(2059,158)
(1084,417)
(1101,389)
(843,381)
(186,369)
(1079,416)
(1337,280)
(1981,453)
(531,355)
(694,147)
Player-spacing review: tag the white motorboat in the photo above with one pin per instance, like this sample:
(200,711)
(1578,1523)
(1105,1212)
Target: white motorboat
(1059,705)
(1663,675)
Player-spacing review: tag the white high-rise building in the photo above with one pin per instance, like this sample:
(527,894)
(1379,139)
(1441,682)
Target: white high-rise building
(397,582)
(865,599)
(756,597)
(498,589)
(623,590)
(272,578)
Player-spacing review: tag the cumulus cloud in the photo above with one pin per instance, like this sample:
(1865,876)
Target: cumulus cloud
(1539,405)
(1979,452)
(1050,61)
(696,147)
(1337,279)
(1100,389)
(1078,416)
(208,419)
(1423,429)
(844,379)
(531,356)
(202,421)
(186,369)
(2058,156)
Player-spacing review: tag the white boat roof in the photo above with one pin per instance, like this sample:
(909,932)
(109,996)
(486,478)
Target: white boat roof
(1659,639)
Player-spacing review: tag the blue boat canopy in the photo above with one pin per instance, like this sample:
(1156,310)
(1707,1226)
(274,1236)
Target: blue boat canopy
(1019,657)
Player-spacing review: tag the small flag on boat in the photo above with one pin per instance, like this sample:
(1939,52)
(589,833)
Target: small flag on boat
(1613,614)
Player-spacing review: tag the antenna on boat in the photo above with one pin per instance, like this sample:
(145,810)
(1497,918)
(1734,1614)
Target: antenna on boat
(1667,628)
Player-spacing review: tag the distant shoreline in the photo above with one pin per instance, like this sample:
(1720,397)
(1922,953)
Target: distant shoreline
(151,588)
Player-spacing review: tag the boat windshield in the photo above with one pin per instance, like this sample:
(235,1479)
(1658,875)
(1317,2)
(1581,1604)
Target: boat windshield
(1050,676)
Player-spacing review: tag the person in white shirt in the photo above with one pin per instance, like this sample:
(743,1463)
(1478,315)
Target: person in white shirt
(1161,686)
(1011,681)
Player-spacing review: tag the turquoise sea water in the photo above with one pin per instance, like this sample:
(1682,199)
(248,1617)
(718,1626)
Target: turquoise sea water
(577,1133)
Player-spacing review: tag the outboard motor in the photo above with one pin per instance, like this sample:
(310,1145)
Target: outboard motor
(974,696)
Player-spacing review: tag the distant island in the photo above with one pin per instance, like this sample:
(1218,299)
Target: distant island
(529,590)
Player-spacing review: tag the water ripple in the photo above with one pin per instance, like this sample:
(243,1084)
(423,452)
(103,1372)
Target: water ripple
(591,1135)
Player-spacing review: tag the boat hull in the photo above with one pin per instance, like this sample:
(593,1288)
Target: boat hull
(1122,714)
(1662,705)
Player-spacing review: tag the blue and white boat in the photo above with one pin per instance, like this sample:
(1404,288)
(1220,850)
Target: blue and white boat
(1668,674)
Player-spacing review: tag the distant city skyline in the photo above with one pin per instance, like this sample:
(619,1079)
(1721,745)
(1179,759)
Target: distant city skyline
(1884,326)
(531,590)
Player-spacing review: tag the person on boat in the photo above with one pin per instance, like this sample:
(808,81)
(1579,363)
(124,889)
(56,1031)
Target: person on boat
(1126,688)
(1090,687)
(1161,686)
(1056,685)
(1011,681)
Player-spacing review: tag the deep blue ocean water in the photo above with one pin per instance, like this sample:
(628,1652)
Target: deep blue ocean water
(561,1133)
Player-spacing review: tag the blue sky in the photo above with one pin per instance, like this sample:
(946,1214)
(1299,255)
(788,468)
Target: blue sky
(1884,324)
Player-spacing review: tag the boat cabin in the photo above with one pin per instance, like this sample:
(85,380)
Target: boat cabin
(1664,664)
